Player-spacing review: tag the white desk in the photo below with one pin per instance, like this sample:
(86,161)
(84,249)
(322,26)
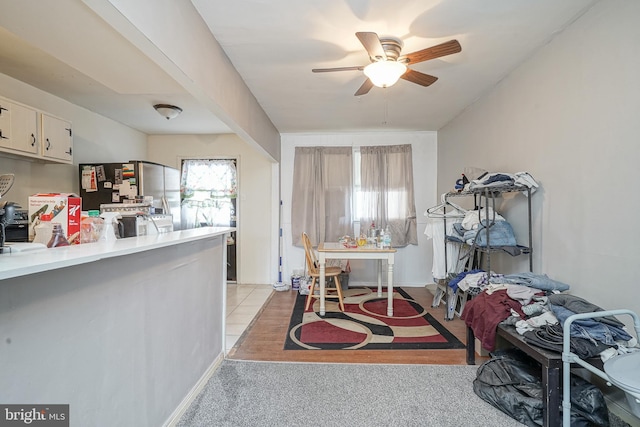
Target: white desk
(334,250)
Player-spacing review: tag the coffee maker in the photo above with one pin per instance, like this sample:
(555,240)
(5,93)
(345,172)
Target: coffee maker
(7,209)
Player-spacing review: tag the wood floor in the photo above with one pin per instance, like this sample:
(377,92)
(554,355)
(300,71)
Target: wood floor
(264,339)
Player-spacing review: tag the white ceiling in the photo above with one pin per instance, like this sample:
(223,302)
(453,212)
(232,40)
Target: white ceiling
(65,49)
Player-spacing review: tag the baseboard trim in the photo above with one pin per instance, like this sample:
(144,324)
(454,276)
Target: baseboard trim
(195,391)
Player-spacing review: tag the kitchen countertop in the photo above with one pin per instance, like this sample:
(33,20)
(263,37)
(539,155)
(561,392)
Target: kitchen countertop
(30,262)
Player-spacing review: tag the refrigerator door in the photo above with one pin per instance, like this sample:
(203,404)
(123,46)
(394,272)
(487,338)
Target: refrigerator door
(101,188)
(151,181)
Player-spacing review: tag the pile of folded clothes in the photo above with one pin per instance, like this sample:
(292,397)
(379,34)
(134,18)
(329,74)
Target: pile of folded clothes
(604,336)
(501,179)
(536,306)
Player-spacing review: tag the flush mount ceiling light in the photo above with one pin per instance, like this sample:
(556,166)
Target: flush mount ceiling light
(168,111)
(385,73)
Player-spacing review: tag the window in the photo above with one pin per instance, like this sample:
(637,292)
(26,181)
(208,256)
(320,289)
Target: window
(330,200)
(208,191)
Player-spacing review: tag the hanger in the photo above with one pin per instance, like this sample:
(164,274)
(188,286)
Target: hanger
(438,211)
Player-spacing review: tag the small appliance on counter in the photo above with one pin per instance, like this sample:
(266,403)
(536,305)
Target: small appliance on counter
(124,217)
(17,226)
(136,219)
(7,209)
(13,222)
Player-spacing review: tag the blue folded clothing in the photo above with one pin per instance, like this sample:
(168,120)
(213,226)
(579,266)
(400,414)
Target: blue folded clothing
(538,281)
(500,234)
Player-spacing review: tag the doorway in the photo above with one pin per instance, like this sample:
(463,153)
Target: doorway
(208,196)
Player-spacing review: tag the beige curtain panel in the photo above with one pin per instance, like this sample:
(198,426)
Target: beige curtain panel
(387,192)
(322,194)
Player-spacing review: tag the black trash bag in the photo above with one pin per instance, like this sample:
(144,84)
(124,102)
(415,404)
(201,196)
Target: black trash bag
(511,382)
(588,407)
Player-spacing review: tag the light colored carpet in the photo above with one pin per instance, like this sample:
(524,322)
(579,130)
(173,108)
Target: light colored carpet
(242,393)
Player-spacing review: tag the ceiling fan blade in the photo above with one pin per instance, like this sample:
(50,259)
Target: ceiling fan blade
(419,78)
(365,88)
(371,43)
(328,70)
(433,52)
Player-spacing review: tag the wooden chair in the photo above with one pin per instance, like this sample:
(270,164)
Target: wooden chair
(314,272)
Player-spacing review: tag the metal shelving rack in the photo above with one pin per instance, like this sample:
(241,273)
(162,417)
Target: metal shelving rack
(478,254)
(489,194)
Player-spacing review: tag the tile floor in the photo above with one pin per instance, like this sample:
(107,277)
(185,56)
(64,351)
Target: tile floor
(243,303)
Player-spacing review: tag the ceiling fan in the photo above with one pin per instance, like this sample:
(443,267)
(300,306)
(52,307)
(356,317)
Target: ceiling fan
(387,65)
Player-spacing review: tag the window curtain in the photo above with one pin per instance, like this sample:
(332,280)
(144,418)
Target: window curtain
(207,190)
(387,192)
(322,192)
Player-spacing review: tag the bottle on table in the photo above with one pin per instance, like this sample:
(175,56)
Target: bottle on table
(91,227)
(372,233)
(57,237)
(386,238)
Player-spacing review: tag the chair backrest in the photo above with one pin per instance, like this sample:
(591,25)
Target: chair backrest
(309,254)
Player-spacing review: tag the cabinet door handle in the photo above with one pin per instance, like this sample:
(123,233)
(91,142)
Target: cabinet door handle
(2,136)
(2,109)
(48,144)
(33,140)
(69,130)
(68,152)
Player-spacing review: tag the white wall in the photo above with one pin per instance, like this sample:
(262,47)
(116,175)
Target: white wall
(95,139)
(412,263)
(257,237)
(569,116)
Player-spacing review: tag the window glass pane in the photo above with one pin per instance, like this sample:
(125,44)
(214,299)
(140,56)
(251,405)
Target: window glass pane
(208,189)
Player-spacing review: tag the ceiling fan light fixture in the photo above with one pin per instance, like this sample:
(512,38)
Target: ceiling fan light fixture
(168,111)
(384,73)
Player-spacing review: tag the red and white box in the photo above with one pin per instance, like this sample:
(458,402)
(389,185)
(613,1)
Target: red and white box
(66,209)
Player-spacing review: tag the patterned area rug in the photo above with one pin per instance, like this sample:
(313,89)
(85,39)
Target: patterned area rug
(365,325)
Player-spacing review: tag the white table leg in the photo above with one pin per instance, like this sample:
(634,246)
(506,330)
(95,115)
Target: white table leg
(322,262)
(390,286)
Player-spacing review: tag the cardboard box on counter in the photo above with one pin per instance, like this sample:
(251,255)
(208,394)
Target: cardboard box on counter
(66,209)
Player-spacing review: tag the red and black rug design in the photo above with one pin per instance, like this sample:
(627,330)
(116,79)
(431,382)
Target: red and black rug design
(365,325)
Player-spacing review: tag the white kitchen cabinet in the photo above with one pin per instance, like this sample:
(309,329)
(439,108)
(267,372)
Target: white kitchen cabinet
(24,129)
(19,127)
(26,132)
(5,123)
(56,138)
